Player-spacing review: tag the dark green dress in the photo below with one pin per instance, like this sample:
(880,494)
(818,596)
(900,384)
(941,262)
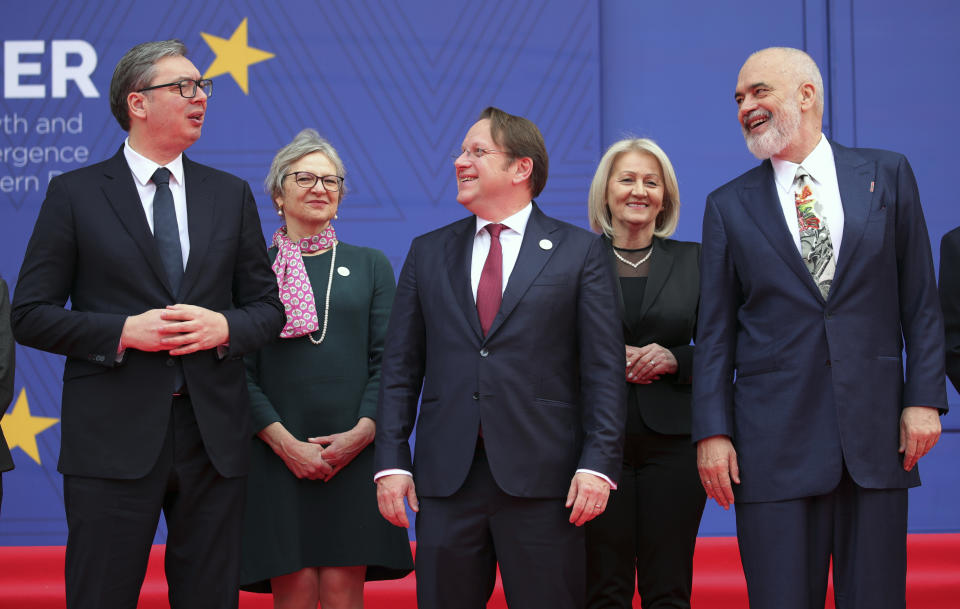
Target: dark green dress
(315,390)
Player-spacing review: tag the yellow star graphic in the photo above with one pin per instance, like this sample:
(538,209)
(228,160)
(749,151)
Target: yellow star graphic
(21,428)
(234,55)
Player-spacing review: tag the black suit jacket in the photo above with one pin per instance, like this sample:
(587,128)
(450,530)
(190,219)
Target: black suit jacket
(546,383)
(93,246)
(669,318)
(950,300)
(6,370)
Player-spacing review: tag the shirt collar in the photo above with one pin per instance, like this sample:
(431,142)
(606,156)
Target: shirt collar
(517,222)
(143,168)
(817,164)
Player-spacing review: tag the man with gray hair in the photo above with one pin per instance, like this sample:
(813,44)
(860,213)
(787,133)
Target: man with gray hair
(164,264)
(816,274)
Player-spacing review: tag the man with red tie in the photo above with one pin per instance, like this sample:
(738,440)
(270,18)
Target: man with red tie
(506,320)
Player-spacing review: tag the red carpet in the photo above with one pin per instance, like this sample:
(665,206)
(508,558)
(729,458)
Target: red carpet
(32,577)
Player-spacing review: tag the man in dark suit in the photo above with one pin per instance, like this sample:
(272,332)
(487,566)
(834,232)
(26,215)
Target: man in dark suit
(165,266)
(950,301)
(7,367)
(816,274)
(507,321)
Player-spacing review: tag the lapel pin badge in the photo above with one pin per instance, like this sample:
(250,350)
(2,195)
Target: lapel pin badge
(546,244)
(343,271)
(872,183)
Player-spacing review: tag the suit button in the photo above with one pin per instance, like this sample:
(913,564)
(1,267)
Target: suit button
(828,363)
(827,315)
(476,395)
(169,362)
(484,352)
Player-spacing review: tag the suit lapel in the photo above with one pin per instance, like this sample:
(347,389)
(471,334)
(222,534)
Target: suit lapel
(762,203)
(121,192)
(661,262)
(201,199)
(530,262)
(854,177)
(458,253)
(628,334)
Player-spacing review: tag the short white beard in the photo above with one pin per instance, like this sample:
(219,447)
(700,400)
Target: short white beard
(781,129)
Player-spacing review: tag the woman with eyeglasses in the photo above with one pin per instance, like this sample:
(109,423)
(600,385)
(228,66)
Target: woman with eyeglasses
(312,530)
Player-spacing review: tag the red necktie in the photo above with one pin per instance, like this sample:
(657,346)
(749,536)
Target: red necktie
(490,288)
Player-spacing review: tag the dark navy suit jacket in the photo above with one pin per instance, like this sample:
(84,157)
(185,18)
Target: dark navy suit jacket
(802,385)
(546,383)
(92,245)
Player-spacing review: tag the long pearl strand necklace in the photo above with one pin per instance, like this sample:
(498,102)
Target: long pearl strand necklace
(326,303)
(633,264)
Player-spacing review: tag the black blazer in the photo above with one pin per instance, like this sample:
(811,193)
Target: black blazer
(6,370)
(669,318)
(950,301)
(93,246)
(546,382)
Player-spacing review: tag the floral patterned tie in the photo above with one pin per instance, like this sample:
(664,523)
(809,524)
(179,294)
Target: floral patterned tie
(816,247)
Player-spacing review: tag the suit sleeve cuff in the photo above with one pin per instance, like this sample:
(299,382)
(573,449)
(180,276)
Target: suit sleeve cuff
(391,472)
(613,485)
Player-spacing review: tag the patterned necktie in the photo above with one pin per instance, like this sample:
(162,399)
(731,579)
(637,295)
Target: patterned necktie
(490,288)
(816,247)
(165,229)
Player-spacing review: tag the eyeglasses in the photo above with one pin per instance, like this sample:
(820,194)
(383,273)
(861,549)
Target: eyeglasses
(305,179)
(188,87)
(476,152)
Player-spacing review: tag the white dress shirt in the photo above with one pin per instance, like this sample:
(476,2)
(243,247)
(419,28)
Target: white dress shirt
(511,238)
(142,169)
(823,171)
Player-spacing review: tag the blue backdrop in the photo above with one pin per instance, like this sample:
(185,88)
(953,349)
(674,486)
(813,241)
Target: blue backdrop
(395,84)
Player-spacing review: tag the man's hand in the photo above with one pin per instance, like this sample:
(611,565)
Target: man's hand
(193,328)
(588,496)
(717,462)
(146,332)
(919,431)
(339,449)
(391,490)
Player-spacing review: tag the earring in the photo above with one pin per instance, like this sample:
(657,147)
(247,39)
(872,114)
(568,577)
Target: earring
(336,216)
(280,211)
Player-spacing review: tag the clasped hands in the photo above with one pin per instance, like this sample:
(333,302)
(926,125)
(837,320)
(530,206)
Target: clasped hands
(646,364)
(179,329)
(322,457)
(717,459)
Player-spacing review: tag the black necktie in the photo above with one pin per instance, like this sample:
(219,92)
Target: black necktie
(165,229)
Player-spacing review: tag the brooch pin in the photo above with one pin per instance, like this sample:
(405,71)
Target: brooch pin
(343,271)
(546,244)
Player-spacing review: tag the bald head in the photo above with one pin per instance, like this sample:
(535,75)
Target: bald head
(779,97)
(795,66)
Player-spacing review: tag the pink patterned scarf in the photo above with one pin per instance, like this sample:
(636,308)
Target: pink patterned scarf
(296,293)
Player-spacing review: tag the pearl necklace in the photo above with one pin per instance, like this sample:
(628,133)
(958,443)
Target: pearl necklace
(326,304)
(633,264)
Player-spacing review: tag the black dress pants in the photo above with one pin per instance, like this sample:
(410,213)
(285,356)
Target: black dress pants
(111,525)
(462,538)
(649,530)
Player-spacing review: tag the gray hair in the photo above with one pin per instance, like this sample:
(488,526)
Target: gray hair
(306,142)
(135,70)
(599,212)
(801,67)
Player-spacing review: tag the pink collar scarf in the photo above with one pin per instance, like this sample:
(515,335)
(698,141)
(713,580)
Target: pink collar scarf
(296,293)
